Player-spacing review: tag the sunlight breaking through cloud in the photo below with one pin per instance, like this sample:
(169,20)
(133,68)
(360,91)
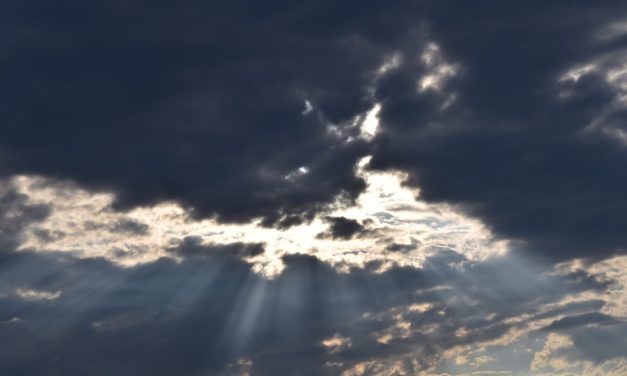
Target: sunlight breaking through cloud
(396,228)
(314,188)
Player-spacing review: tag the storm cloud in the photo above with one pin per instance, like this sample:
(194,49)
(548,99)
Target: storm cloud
(510,138)
(245,111)
(225,108)
(312,188)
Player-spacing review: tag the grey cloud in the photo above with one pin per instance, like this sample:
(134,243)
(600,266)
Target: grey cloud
(509,149)
(207,112)
(203,103)
(343,228)
(209,310)
(594,318)
(16,213)
(192,247)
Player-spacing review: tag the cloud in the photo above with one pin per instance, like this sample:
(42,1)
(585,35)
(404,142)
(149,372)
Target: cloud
(499,140)
(208,111)
(238,124)
(342,228)
(208,310)
(16,213)
(147,148)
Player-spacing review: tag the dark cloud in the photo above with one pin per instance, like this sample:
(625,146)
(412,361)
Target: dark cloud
(595,318)
(596,337)
(226,108)
(342,228)
(509,146)
(403,248)
(240,110)
(202,103)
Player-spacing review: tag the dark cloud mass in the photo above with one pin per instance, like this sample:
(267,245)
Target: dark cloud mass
(226,108)
(514,148)
(509,112)
(205,104)
(202,103)
(342,228)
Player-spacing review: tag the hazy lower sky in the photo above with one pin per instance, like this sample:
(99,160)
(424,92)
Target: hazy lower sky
(313,188)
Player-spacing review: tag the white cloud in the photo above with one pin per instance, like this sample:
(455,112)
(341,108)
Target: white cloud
(30,294)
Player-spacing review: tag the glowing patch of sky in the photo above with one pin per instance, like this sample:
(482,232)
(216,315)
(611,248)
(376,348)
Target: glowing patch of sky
(80,222)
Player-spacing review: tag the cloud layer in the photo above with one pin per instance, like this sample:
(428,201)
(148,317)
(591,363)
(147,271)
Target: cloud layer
(508,136)
(215,187)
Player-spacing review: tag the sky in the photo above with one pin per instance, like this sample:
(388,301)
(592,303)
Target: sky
(403,187)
